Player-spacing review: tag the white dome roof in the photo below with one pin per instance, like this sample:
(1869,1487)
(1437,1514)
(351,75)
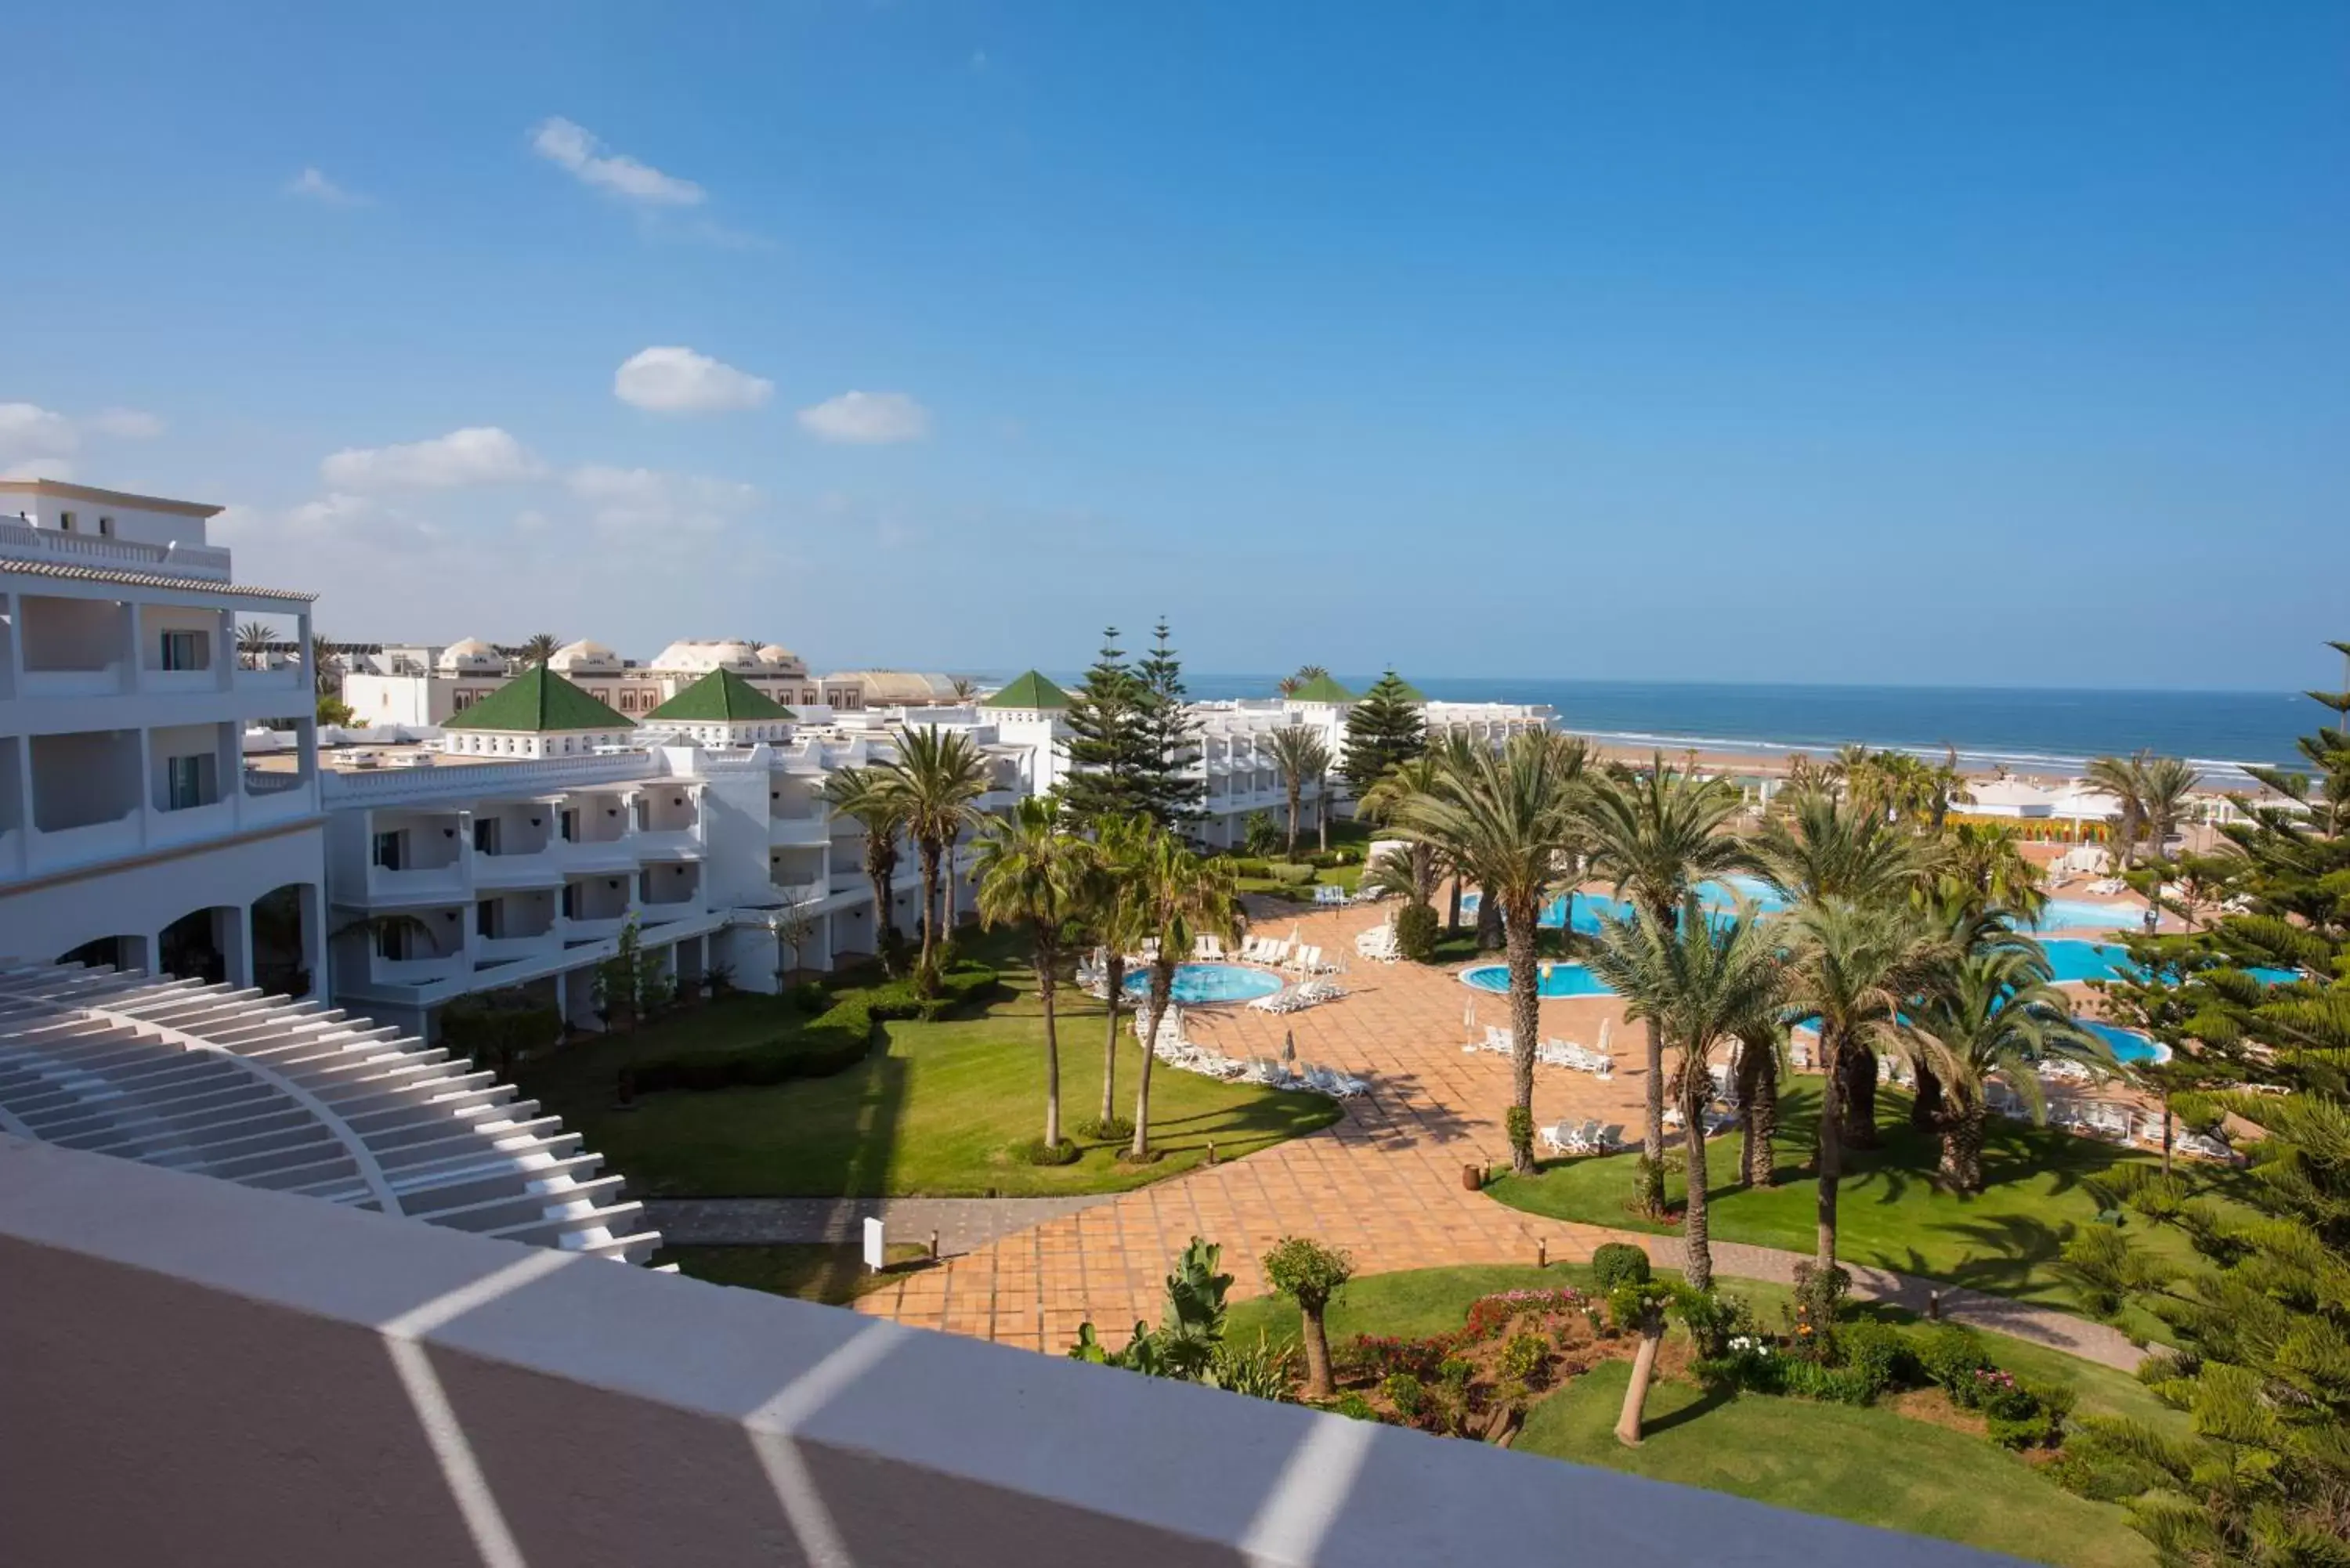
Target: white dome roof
(584,655)
(776,653)
(695,656)
(469,652)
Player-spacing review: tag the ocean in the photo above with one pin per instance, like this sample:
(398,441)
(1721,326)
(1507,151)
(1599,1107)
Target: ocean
(2029,731)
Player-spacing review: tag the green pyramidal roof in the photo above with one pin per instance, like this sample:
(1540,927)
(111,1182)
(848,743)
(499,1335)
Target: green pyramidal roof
(535,702)
(718,697)
(1028,689)
(1321,689)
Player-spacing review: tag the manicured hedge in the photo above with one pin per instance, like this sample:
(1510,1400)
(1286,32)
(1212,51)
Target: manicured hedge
(831,1042)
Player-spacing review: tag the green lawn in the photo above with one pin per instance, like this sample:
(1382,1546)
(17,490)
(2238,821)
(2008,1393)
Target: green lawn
(933,1111)
(1868,1465)
(2007,1239)
(831,1272)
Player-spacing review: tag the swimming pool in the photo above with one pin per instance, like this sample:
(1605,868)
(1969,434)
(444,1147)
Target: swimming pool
(1720,895)
(2079,914)
(1557,980)
(1198,983)
(2129,1047)
(2073,959)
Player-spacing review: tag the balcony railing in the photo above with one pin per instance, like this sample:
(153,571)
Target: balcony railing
(24,542)
(459,1398)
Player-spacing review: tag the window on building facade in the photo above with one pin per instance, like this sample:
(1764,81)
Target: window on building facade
(486,918)
(394,941)
(570,899)
(106,527)
(389,850)
(184,651)
(566,822)
(65,522)
(184,782)
(485,835)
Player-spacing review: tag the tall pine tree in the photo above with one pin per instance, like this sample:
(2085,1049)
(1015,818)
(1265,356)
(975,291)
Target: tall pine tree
(1108,741)
(1383,728)
(1174,794)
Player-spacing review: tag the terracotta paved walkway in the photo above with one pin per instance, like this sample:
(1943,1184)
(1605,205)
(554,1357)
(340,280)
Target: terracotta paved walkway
(1385,1183)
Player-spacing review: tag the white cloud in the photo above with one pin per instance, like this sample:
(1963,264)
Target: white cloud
(680,381)
(329,510)
(575,148)
(29,429)
(483,454)
(868,419)
(314,185)
(129,424)
(646,498)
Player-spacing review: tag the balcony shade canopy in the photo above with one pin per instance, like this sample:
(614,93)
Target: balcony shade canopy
(296,1097)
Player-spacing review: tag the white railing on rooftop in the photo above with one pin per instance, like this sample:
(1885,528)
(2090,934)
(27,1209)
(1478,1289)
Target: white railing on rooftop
(473,778)
(22,541)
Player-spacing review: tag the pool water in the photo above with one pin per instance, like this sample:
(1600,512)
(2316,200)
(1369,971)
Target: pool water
(1722,896)
(2079,914)
(2074,960)
(1557,980)
(1199,983)
(2129,1047)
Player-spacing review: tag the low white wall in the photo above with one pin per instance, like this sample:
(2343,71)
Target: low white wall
(194,1372)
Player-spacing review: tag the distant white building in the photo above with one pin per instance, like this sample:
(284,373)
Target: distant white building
(131,829)
(1234,739)
(517,856)
(421,686)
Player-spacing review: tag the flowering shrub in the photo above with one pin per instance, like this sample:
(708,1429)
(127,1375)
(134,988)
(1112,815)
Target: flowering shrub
(1382,1356)
(1489,1315)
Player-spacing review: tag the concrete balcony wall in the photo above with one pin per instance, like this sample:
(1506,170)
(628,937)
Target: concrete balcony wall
(456,1399)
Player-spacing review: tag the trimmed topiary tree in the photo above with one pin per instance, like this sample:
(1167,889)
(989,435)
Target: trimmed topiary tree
(1310,1274)
(1615,1263)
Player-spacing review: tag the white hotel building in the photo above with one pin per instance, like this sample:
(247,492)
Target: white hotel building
(131,830)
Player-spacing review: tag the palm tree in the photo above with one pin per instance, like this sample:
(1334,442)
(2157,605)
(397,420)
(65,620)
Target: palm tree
(253,641)
(1760,1059)
(1657,834)
(1979,866)
(1503,817)
(1032,873)
(326,667)
(1385,800)
(934,778)
(1852,771)
(1300,754)
(1322,800)
(1993,1010)
(539,647)
(1699,983)
(2124,778)
(856,792)
(1949,786)
(1852,965)
(1114,916)
(1824,848)
(1181,895)
(2164,786)
(964,688)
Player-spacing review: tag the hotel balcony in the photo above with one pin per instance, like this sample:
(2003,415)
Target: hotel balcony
(202,563)
(798,832)
(214,1373)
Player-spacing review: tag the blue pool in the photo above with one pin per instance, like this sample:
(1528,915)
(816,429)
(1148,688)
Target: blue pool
(2074,960)
(1196,983)
(2079,914)
(2129,1047)
(1590,907)
(1557,980)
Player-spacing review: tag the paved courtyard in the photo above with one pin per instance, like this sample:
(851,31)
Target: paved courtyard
(1385,1183)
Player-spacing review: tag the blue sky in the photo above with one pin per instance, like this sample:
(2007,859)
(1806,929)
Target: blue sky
(1805,342)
